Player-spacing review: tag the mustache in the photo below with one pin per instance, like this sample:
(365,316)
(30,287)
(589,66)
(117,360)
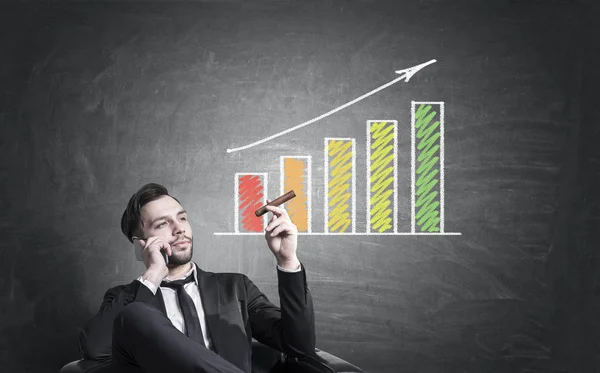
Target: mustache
(181,238)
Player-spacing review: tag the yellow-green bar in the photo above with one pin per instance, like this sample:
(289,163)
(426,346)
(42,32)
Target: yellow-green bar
(381,176)
(339,194)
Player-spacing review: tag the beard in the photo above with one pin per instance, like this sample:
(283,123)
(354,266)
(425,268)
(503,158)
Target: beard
(182,257)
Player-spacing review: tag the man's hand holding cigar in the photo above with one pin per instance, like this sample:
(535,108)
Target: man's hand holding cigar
(282,238)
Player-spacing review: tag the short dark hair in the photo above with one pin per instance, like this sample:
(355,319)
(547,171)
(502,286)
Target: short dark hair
(132,216)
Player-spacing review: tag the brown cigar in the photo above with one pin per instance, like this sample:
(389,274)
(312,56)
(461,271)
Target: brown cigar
(276,202)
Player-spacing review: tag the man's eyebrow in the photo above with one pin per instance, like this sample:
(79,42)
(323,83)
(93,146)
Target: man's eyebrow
(165,217)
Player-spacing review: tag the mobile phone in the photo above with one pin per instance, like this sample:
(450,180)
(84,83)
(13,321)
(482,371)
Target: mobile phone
(137,249)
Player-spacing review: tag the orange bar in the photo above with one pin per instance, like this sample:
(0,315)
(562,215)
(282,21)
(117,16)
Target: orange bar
(295,177)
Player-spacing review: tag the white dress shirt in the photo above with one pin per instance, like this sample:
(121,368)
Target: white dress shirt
(172,305)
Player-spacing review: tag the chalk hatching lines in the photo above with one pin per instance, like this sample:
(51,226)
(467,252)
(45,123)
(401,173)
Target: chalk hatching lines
(295,179)
(427,214)
(382,157)
(250,198)
(339,185)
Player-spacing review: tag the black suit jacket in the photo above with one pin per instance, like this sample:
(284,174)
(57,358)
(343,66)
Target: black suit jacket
(235,309)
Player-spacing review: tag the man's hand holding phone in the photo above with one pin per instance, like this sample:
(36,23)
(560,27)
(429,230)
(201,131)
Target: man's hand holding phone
(153,258)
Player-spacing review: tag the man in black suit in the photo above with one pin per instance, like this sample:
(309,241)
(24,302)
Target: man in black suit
(178,318)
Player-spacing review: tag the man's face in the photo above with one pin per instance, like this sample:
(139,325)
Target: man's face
(167,219)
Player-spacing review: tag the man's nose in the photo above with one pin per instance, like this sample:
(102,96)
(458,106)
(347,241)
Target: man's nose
(179,228)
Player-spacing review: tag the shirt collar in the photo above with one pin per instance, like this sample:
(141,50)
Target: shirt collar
(193,269)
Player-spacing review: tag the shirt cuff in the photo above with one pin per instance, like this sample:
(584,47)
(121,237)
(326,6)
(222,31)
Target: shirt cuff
(148,284)
(290,270)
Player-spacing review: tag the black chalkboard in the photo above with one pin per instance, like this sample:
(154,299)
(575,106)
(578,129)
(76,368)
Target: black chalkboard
(101,98)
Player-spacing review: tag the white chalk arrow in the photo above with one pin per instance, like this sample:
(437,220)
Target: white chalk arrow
(405,74)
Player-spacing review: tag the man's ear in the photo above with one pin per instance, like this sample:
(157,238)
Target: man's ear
(137,232)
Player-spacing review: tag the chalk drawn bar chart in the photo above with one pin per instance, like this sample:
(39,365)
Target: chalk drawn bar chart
(340,185)
(295,174)
(250,194)
(339,182)
(339,176)
(382,176)
(427,169)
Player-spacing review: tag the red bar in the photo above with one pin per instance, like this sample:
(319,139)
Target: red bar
(251,196)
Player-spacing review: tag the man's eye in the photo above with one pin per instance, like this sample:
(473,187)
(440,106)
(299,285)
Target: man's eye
(183,218)
(161,225)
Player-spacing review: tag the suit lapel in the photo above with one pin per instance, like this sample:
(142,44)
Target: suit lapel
(226,330)
(208,285)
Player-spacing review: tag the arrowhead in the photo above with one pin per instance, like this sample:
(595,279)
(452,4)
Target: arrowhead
(408,73)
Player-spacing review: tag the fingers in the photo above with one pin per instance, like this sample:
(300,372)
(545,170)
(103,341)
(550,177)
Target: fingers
(283,228)
(280,222)
(275,221)
(158,243)
(277,211)
(280,225)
